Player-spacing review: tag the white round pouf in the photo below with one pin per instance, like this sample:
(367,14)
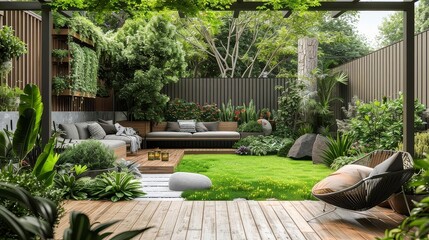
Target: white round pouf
(182,181)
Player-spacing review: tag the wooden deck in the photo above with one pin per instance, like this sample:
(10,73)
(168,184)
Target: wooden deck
(176,155)
(225,220)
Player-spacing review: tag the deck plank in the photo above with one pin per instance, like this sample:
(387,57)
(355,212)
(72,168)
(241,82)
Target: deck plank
(234,219)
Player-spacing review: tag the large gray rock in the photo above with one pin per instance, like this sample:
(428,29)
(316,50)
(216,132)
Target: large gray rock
(182,181)
(303,146)
(319,146)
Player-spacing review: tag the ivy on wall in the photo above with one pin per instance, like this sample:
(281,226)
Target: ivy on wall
(84,69)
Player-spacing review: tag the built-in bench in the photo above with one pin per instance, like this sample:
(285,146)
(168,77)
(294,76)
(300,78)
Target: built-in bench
(224,136)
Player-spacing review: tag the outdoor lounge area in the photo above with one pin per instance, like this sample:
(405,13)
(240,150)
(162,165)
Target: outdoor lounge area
(210,119)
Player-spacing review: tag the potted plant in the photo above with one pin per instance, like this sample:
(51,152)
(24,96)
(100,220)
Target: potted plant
(92,153)
(60,54)
(251,128)
(10,47)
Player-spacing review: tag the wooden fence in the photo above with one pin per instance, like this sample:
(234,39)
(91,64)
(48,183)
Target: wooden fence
(380,73)
(220,90)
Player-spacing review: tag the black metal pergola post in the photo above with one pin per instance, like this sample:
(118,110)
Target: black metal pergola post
(408,62)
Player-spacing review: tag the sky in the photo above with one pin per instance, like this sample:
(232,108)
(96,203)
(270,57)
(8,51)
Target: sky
(368,25)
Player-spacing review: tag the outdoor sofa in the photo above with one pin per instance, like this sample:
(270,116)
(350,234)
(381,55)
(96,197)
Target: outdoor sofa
(215,134)
(75,133)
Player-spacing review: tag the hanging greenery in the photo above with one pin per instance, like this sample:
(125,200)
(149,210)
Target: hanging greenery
(84,69)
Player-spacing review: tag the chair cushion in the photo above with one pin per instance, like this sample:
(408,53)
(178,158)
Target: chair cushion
(82,129)
(108,128)
(173,127)
(96,131)
(211,126)
(125,139)
(216,135)
(187,125)
(343,178)
(392,164)
(167,135)
(200,127)
(70,131)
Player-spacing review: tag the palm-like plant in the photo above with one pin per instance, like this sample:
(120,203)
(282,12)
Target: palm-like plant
(117,186)
(336,148)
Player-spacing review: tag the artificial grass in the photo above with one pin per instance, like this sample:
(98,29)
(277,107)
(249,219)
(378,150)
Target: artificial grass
(253,177)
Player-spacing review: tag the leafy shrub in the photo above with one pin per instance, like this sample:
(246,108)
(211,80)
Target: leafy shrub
(10,45)
(73,187)
(421,145)
(265,114)
(117,186)
(243,150)
(336,148)
(181,109)
(263,145)
(8,98)
(305,128)
(227,112)
(209,113)
(251,126)
(26,180)
(379,125)
(285,149)
(342,161)
(91,153)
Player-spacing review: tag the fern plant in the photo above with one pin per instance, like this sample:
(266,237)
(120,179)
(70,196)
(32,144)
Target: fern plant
(336,147)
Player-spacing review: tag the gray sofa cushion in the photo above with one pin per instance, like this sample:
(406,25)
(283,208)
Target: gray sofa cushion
(216,135)
(173,127)
(167,135)
(105,121)
(96,131)
(392,164)
(200,127)
(115,137)
(70,131)
(211,126)
(82,129)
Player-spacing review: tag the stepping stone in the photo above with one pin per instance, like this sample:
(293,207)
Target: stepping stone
(182,181)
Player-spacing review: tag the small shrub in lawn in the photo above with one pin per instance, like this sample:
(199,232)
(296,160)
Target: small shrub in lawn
(263,145)
(91,153)
(243,150)
(283,151)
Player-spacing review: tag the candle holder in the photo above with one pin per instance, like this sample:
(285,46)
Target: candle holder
(165,156)
(151,155)
(157,155)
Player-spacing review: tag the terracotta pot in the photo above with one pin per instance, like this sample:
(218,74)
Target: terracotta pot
(398,204)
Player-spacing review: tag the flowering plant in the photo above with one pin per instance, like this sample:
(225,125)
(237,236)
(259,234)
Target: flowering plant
(243,150)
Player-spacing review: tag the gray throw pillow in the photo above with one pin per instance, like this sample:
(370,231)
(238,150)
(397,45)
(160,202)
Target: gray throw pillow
(173,127)
(211,126)
(82,129)
(392,164)
(200,127)
(69,131)
(108,128)
(105,121)
(96,131)
(187,125)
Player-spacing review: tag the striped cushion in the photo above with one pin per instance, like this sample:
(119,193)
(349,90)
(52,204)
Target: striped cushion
(96,131)
(187,125)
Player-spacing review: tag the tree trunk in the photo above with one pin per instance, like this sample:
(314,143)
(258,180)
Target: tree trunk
(307,60)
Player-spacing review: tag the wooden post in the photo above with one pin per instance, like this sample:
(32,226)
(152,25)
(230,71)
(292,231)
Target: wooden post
(307,59)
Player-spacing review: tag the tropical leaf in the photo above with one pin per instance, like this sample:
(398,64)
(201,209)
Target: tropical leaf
(44,167)
(5,145)
(22,143)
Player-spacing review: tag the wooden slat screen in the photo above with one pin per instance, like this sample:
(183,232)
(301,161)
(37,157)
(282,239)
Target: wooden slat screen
(380,73)
(220,90)
(28,27)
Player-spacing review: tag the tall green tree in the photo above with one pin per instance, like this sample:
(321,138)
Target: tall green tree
(146,56)
(391,29)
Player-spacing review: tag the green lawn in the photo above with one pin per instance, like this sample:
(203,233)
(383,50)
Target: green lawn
(253,177)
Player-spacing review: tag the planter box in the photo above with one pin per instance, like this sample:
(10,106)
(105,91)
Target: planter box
(246,134)
(398,204)
(142,127)
(69,92)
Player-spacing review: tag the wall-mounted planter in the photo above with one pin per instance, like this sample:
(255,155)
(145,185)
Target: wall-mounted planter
(69,92)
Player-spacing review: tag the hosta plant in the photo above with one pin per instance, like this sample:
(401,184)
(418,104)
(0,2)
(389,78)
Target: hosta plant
(117,186)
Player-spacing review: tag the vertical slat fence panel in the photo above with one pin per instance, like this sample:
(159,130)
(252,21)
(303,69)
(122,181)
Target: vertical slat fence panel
(220,90)
(379,73)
